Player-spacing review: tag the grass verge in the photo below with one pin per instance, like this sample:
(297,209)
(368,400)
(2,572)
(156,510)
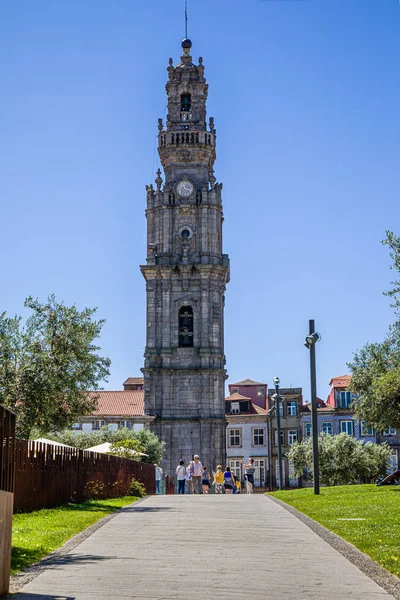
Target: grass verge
(365,515)
(38,533)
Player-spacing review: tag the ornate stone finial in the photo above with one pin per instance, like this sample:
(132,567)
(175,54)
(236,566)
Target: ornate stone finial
(170,62)
(211,125)
(212,179)
(160,125)
(200,60)
(158,180)
(170,70)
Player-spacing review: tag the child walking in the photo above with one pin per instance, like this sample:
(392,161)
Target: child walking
(205,482)
(218,479)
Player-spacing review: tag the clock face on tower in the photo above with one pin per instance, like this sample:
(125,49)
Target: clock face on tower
(184,188)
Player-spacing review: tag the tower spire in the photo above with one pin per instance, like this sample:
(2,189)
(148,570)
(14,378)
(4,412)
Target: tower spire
(186,20)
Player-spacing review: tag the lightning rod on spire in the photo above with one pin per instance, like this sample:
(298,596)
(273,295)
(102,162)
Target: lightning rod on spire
(186,19)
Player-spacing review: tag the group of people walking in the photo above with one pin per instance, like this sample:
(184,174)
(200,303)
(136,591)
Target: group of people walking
(196,479)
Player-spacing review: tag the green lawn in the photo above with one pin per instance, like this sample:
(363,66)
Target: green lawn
(378,534)
(38,533)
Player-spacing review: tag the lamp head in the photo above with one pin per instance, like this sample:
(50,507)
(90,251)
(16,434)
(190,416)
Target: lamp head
(276,380)
(312,339)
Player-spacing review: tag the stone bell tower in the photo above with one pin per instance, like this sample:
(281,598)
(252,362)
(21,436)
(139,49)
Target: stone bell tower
(186,274)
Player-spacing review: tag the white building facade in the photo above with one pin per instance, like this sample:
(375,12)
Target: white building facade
(246,437)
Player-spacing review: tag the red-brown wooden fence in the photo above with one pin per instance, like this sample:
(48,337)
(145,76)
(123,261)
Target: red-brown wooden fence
(47,476)
(7,463)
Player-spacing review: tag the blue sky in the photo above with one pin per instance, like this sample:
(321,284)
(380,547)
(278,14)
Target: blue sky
(305,96)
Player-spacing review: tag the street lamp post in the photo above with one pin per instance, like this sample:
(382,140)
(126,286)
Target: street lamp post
(312,338)
(277,399)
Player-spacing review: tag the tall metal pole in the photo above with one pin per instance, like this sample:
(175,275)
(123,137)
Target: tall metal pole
(314,414)
(278,431)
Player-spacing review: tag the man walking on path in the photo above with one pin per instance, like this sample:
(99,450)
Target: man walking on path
(196,469)
(159,474)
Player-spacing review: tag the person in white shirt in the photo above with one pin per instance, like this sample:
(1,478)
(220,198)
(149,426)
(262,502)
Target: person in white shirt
(196,470)
(181,476)
(189,482)
(159,474)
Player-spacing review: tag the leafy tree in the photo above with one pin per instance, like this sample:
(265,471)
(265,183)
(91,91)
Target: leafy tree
(375,369)
(342,459)
(48,364)
(154,448)
(149,441)
(128,449)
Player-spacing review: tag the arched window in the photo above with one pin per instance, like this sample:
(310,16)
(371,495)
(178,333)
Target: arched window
(186,102)
(186,327)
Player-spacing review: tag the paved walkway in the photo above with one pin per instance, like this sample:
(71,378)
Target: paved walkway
(197,547)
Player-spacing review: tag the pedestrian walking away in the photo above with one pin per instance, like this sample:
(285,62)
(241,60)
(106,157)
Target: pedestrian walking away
(228,480)
(249,475)
(181,476)
(159,474)
(196,470)
(189,482)
(205,482)
(218,479)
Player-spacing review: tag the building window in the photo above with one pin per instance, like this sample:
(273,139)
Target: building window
(281,409)
(235,438)
(259,436)
(389,431)
(365,429)
(346,427)
(236,468)
(327,428)
(185,327)
(186,102)
(276,437)
(98,424)
(292,436)
(235,408)
(345,399)
(291,409)
(235,390)
(259,474)
(307,430)
(127,424)
(260,392)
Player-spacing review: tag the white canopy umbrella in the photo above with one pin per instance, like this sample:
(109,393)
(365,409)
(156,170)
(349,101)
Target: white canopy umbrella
(50,442)
(105,449)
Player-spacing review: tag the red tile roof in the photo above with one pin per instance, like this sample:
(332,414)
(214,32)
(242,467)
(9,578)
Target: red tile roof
(254,410)
(134,381)
(247,382)
(341,381)
(236,397)
(129,403)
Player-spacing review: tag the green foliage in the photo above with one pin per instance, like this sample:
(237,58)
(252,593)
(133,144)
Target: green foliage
(393,241)
(48,364)
(375,369)
(150,443)
(342,459)
(364,515)
(137,488)
(38,533)
(154,448)
(127,449)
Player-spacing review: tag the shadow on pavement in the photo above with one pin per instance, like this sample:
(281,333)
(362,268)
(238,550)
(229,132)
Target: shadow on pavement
(22,596)
(148,509)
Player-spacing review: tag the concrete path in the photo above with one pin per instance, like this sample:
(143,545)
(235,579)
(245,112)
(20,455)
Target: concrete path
(197,547)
